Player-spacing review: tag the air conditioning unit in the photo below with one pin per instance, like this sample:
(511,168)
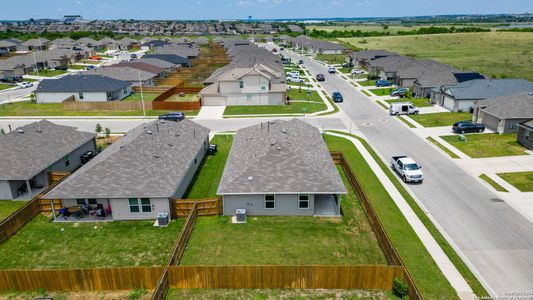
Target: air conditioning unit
(241,215)
(162,219)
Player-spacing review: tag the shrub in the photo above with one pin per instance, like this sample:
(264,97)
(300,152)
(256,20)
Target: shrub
(399,287)
(137,293)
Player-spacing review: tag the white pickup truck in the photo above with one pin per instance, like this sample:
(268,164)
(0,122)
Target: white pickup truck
(407,168)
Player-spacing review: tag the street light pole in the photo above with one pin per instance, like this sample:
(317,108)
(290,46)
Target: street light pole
(142,95)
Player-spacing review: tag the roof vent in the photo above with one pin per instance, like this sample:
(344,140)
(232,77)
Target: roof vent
(20,130)
(250,178)
(149,131)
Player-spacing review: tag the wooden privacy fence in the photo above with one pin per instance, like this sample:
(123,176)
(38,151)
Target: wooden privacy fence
(108,105)
(206,207)
(172,105)
(383,239)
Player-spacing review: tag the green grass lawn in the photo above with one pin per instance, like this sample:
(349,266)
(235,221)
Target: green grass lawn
(292,108)
(26,108)
(381,92)
(345,70)
(331,58)
(29,79)
(5,86)
(367,83)
(487,145)
(47,245)
(260,294)
(510,52)
(77,67)
(523,181)
(366,93)
(137,97)
(442,147)
(441,119)
(9,206)
(287,240)
(418,102)
(493,183)
(403,120)
(206,179)
(48,73)
(297,94)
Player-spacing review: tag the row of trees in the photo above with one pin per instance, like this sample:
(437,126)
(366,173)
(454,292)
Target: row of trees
(424,30)
(55,35)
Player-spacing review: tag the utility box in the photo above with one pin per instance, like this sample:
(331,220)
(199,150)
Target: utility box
(162,219)
(241,215)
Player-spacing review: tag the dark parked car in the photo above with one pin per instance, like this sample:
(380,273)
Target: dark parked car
(320,77)
(62,68)
(382,82)
(86,157)
(173,116)
(337,97)
(467,126)
(134,56)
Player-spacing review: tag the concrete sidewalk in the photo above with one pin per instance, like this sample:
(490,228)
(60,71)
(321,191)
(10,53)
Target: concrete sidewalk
(443,262)
(211,113)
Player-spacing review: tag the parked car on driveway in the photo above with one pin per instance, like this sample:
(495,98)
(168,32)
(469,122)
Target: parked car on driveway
(95,57)
(173,116)
(407,168)
(320,77)
(383,82)
(295,78)
(467,126)
(62,68)
(332,70)
(337,97)
(25,85)
(293,73)
(357,72)
(399,92)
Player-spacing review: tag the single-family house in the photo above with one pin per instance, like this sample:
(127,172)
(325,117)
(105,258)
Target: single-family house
(91,43)
(363,57)
(82,88)
(160,72)
(7,46)
(108,42)
(525,134)
(281,168)
(30,152)
(171,58)
(33,44)
(62,43)
(168,66)
(386,67)
(503,114)
(136,177)
(134,76)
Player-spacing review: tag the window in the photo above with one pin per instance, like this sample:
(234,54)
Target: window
(80,201)
(80,95)
(241,84)
(146,205)
(526,135)
(92,201)
(512,125)
(263,87)
(249,97)
(270,202)
(67,161)
(134,205)
(303,201)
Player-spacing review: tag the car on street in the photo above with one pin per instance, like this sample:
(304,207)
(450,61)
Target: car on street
(173,116)
(337,97)
(383,82)
(90,67)
(332,70)
(274,50)
(300,62)
(357,72)
(399,92)
(25,85)
(320,77)
(403,108)
(467,126)
(407,168)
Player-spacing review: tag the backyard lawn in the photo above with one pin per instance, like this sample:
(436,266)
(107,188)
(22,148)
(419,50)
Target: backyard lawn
(381,92)
(287,240)
(486,145)
(9,206)
(418,102)
(331,58)
(43,244)
(441,119)
(523,181)
(297,94)
(137,97)
(259,294)
(48,73)
(292,108)
(26,108)
(206,179)
(5,86)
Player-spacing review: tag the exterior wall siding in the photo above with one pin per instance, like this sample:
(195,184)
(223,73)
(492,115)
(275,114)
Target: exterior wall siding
(5,190)
(120,209)
(525,137)
(285,205)
(192,170)
(74,158)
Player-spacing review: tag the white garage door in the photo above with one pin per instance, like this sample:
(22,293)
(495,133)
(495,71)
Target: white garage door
(213,101)
(448,103)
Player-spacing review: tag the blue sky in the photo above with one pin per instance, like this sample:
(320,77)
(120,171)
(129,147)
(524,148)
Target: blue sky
(241,9)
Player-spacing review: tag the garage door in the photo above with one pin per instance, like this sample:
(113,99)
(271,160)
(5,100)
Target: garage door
(490,121)
(213,101)
(448,103)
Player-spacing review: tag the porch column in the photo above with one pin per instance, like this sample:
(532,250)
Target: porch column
(28,187)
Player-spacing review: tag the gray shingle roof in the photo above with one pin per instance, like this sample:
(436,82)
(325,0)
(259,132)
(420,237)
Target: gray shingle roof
(40,145)
(517,106)
(122,73)
(140,164)
(81,83)
(488,88)
(282,157)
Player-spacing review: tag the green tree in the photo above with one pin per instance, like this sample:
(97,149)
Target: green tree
(107,133)
(98,128)
(2,131)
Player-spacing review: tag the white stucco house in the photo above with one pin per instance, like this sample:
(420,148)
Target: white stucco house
(82,88)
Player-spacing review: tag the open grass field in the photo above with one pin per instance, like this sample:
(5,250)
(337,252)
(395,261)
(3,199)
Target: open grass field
(206,179)
(43,244)
(48,73)
(418,102)
(427,275)
(26,108)
(363,27)
(487,145)
(441,119)
(260,294)
(523,181)
(511,54)
(287,240)
(9,206)
(292,108)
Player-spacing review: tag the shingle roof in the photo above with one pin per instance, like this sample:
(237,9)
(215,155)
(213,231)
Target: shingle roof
(171,58)
(81,83)
(488,88)
(149,161)
(39,146)
(140,66)
(280,157)
(122,73)
(517,106)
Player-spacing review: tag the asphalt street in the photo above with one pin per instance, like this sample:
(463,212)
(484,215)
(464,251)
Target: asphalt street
(495,238)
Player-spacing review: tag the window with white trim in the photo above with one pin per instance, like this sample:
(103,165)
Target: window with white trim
(80,201)
(146,205)
(134,205)
(270,202)
(241,84)
(303,201)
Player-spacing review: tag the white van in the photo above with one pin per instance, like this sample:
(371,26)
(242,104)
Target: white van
(403,108)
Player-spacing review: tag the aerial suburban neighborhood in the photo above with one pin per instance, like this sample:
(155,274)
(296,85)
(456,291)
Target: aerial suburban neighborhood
(266,150)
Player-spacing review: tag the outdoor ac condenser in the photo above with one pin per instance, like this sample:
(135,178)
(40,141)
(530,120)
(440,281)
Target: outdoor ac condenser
(241,215)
